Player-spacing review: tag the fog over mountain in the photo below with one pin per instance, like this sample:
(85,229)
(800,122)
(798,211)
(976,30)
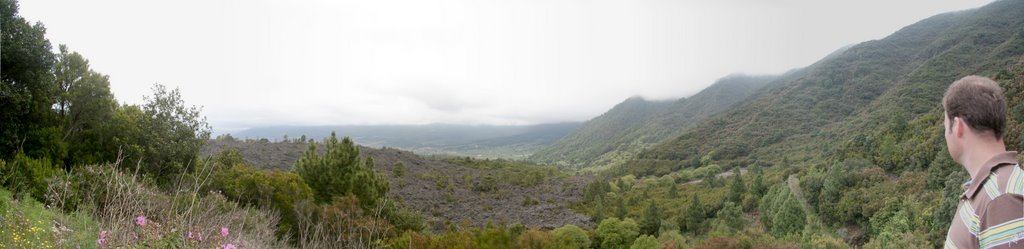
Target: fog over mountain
(266,63)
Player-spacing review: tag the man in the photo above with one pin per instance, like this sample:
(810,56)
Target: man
(991,210)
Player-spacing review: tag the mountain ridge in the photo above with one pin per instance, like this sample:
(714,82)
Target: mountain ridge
(901,76)
(635,123)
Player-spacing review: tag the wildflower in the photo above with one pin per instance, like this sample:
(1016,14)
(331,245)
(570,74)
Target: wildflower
(103,239)
(190,235)
(224,231)
(228,246)
(141,220)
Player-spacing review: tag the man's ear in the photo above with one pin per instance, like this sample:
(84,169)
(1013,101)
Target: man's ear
(958,127)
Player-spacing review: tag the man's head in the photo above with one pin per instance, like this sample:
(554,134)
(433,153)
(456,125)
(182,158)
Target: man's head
(975,113)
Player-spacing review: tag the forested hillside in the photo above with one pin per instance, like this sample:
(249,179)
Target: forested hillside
(848,151)
(596,136)
(636,123)
(873,84)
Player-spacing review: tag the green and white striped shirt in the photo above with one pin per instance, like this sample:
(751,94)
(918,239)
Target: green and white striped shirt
(991,210)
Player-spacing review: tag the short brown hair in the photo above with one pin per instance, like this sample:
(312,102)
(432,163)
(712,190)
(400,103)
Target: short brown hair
(979,101)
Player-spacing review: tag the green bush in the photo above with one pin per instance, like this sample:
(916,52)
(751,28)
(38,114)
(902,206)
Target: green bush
(615,233)
(730,215)
(645,242)
(402,218)
(486,184)
(571,236)
(27,175)
(672,239)
(534,239)
(398,171)
(280,191)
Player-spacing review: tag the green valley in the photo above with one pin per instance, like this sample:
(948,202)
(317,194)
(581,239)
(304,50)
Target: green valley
(847,152)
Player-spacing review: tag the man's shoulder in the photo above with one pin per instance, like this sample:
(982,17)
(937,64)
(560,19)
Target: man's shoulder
(1010,177)
(1006,168)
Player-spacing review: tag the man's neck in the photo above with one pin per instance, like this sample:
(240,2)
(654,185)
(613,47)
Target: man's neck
(975,156)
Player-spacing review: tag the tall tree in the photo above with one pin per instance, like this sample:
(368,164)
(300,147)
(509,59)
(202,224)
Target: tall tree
(693,216)
(163,135)
(85,107)
(737,187)
(27,92)
(69,70)
(757,186)
(832,190)
(651,220)
(620,207)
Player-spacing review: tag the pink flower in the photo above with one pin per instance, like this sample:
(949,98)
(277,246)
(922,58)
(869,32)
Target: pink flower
(103,239)
(228,246)
(190,235)
(141,220)
(224,232)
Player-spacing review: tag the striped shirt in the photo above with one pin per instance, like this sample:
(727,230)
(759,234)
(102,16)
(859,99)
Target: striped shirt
(991,209)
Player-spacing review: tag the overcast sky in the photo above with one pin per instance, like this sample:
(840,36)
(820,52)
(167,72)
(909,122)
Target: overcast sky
(257,63)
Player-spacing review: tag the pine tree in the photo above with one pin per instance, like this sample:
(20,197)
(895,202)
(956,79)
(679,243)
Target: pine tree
(598,212)
(620,210)
(693,216)
(710,179)
(757,187)
(398,171)
(340,172)
(651,221)
(738,188)
(789,218)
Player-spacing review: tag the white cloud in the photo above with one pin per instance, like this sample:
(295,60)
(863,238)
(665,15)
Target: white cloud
(253,63)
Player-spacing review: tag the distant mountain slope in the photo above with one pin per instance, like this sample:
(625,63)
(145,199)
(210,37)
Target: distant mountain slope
(873,86)
(484,141)
(634,124)
(597,136)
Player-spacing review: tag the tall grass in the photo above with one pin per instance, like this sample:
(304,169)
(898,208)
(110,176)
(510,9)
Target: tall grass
(132,213)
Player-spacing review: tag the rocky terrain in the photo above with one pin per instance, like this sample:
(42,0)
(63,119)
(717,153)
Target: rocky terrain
(446,193)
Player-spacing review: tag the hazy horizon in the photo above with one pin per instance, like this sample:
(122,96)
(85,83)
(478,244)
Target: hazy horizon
(450,62)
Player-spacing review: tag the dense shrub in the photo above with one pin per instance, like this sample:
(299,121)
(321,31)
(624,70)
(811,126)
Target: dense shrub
(615,233)
(645,242)
(534,239)
(119,201)
(487,183)
(342,222)
(570,236)
(273,189)
(27,175)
